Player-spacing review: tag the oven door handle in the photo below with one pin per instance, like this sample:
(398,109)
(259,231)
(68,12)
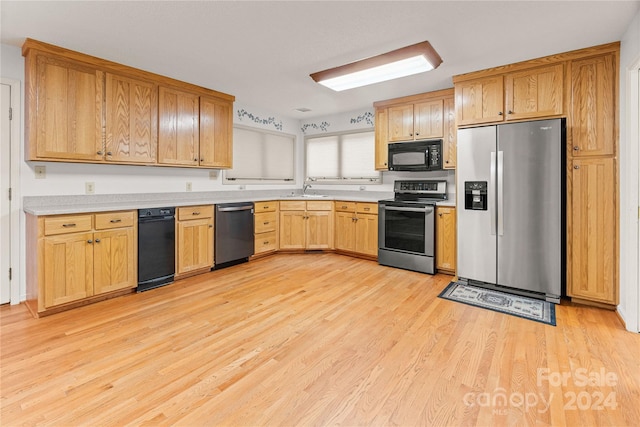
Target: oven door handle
(426,209)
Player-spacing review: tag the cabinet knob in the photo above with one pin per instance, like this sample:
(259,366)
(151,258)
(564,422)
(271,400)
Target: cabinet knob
(210,225)
(89,241)
(509,112)
(97,240)
(99,153)
(195,160)
(440,214)
(576,167)
(109,153)
(411,134)
(446,161)
(499,113)
(417,133)
(202,160)
(576,148)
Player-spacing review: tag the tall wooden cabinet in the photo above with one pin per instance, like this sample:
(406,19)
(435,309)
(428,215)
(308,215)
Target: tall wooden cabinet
(85,109)
(581,86)
(424,116)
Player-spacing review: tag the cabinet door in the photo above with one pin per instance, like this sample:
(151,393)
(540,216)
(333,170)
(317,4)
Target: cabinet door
(450,135)
(345,233)
(593,105)
(292,229)
(446,239)
(382,139)
(216,133)
(69,111)
(428,118)
(400,123)
(114,259)
(367,234)
(68,268)
(593,235)
(534,93)
(479,101)
(179,135)
(319,230)
(195,245)
(131,120)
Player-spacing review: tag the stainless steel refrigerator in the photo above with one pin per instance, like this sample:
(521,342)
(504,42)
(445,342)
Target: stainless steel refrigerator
(510,210)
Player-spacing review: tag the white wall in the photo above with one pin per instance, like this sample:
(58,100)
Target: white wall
(629,307)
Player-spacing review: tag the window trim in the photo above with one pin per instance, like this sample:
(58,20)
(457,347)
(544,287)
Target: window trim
(342,180)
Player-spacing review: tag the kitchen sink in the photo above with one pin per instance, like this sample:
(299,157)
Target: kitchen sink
(307,196)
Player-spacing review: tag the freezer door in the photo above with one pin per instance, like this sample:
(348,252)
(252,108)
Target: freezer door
(476,228)
(529,204)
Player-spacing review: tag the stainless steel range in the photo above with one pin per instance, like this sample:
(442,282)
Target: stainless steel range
(406,225)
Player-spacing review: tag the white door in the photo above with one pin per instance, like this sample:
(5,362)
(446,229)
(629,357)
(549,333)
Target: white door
(5,208)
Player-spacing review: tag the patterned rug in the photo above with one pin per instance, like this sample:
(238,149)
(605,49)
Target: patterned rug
(516,305)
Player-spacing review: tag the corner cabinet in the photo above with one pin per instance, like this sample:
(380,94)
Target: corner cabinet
(77,259)
(424,116)
(85,109)
(306,225)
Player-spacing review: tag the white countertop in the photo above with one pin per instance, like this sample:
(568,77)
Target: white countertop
(55,205)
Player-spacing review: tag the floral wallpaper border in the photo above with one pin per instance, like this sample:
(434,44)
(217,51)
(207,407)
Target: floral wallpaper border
(368,117)
(322,126)
(256,119)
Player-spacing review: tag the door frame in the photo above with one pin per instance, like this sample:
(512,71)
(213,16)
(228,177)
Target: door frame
(16,201)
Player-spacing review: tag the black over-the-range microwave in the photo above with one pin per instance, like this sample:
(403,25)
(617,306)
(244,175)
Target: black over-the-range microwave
(416,155)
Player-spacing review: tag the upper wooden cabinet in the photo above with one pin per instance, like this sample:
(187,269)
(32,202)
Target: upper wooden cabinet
(85,109)
(65,109)
(593,105)
(179,135)
(534,93)
(131,125)
(424,116)
(480,101)
(525,94)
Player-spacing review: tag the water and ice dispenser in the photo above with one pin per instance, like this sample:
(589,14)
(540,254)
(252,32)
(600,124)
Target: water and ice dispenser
(475,195)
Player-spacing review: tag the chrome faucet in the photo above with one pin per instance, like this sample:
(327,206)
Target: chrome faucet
(304,188)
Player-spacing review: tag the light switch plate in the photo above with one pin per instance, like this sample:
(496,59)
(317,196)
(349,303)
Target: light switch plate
(41,172)
(89,188)
(189,186)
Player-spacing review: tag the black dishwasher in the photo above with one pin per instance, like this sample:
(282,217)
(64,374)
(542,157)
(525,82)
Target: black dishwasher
(156,247)
(233,233)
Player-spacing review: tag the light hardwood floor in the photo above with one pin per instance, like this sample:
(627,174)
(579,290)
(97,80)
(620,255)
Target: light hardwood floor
(313,339)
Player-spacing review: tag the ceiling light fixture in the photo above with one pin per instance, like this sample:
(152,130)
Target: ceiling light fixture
(409,60)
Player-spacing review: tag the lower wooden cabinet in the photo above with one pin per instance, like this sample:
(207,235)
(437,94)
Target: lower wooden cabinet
(194,239)
(356,229)
(265,227)
(446,239)
(306,225)
(75,259)
(593,241)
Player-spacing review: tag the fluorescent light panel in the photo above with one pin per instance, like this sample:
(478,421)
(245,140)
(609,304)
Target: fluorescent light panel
(403,62)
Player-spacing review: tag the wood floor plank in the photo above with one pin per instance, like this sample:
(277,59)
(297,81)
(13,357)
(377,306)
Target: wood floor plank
(311,339)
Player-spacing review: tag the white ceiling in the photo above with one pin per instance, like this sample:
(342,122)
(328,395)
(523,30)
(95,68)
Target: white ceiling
(263,51)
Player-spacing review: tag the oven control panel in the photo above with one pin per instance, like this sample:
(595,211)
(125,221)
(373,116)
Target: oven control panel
(424,187)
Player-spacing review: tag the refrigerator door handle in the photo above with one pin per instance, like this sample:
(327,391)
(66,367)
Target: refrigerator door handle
(492,193)
(500,192)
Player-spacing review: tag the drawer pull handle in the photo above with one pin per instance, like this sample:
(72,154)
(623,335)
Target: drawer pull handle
(343,207)
(69,225)
(367,209)
(115,221)
(265,243)
(266,223)
(195,213)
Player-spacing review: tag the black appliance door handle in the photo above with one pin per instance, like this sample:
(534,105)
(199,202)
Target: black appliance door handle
(164,218)
(426,209)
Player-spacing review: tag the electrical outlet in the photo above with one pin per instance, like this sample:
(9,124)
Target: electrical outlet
(89,188)
(189,187)
(41,172)
(213,174)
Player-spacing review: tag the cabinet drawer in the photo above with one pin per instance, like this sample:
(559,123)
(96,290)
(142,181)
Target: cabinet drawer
(265,222)
(265,242)
(370,208)
(345,206)
(195,212)
(293,205)
(269,206)
(67,224)
(325,205)
(114,220)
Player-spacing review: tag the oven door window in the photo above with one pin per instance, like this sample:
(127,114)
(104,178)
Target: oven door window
(405,231)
